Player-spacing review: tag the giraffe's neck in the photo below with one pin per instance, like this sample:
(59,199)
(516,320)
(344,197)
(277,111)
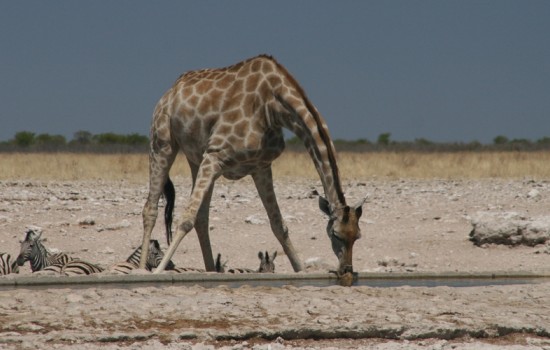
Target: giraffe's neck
(295,112)
(310,127)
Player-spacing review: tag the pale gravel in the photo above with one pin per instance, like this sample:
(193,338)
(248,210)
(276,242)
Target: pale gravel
(408,225)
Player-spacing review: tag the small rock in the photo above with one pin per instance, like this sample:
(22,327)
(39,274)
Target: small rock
(86,221)
(74,298)
(114,227)
(254,220)
(534,194)
(509,228)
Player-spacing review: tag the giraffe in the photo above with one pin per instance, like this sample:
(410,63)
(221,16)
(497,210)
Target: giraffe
(228,122)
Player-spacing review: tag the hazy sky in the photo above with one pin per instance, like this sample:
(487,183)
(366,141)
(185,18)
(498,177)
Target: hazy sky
(440,70)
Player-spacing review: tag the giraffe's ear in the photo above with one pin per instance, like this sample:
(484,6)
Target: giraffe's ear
(358,212)
(324,205)
(359,208)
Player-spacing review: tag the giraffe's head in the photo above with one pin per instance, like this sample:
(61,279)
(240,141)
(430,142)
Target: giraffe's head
(343,230)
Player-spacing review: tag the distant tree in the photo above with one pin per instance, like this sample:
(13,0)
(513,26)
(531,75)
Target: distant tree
(384,139)
(82,137)
(363,142)
(53,140)
(24,138)
(474,145)
(544,141)
(108,138)
(423,142)
(525,142)
(500,140)
(136,139)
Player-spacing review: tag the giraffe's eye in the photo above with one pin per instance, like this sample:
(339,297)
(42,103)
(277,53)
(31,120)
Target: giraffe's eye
(337,236)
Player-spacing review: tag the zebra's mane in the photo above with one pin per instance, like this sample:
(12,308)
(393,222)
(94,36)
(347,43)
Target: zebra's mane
(37,238)
(31,235)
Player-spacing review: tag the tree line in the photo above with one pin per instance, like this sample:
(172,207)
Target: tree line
(84,141)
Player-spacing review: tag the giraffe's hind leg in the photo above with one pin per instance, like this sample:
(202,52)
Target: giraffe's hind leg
(161,157)
(263,179)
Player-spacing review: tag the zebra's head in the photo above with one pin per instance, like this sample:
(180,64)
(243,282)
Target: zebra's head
(267,263)
(155,257)
(30,247)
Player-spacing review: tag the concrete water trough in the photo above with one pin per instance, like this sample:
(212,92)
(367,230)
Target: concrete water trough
(451,279)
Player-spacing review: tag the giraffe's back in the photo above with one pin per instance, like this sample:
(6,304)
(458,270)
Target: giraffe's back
(228,111)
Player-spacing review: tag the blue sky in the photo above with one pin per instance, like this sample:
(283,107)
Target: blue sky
(440,70)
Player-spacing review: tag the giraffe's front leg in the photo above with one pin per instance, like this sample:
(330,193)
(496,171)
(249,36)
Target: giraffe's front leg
(209,171)
(263,179)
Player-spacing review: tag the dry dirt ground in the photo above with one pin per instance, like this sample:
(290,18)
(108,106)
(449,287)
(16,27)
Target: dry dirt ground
(407,225)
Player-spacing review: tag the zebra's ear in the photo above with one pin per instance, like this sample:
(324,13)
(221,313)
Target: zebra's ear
(273,256)
(155,243)
(261,255)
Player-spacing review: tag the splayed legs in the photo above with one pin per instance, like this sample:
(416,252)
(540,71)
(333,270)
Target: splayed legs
(263,179)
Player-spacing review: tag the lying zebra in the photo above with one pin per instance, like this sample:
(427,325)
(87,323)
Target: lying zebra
(7,266)
(220,267)
(33,250)
(80,267)
(153,260)
(267,264)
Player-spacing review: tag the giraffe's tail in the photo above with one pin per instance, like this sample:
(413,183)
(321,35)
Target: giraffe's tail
(170,197)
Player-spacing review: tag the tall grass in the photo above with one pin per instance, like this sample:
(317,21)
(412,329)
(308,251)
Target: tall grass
(134,167)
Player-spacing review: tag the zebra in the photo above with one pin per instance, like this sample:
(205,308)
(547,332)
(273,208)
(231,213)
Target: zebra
(7,266)
(54,269)
(267,264)
(220,267)
(153,260)
(80,267)
(33,250)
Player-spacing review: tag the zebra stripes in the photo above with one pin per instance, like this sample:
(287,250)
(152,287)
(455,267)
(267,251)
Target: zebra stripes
(74,267)
(153,260)
(220,267)
(7,266)
(80,267)
(267,264)
(44,262)
(34,251)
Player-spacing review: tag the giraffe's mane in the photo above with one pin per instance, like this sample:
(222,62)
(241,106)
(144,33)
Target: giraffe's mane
(322,131)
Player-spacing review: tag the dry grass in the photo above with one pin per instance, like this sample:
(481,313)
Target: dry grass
(134,167)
